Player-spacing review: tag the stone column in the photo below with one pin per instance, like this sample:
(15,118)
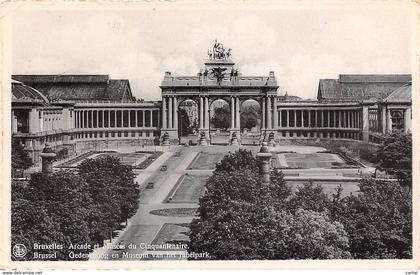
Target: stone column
(164,120)
(328,118)
(175,102)
(351,119)
(365,130)
(383,119)
(295,116)
(389,118)
(275,114)
(144,119)
(129,118)
(322,118)
(407,120)
(115,119)
(265,156)
(316,118)
(280,122)
(206,113)
(348,119)
(14,122)
(84,119)
(97,118)
(237,115)
(136,117)
(75,118)
(201,113)
(232,113)
(122,118)
(151,119)
(103,118)
(269,122)
(302,124)
(263,126)
(170,113)
(339,119)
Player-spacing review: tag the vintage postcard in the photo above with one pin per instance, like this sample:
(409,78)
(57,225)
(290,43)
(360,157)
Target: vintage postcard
(227,134)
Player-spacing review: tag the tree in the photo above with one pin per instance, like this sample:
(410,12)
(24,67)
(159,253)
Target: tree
(378,220)
(238,160)
(31,223)
(184,123)
(114,193)
(242,219)
(67,207)
(395,156)
(20,158)
(249,116)
(309,197)
(247,231)
(67,200)
(221,118)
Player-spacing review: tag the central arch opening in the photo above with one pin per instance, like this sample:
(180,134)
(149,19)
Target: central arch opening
(220,121)
(187,121)
(250,122)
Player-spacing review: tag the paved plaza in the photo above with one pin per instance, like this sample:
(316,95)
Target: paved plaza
(166,209)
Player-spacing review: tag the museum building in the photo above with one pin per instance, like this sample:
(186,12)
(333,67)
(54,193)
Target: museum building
(92,112)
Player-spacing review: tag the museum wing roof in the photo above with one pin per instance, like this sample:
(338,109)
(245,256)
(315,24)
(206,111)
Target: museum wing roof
(23,93)
(79,87)
(353,87)
(400,95)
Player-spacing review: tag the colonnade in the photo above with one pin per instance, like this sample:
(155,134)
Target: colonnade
(116,118)
(319,118)
(269,117)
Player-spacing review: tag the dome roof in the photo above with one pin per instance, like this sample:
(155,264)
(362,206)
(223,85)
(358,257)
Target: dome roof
(23,93)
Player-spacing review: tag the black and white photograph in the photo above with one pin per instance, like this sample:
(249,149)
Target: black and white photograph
(204,132)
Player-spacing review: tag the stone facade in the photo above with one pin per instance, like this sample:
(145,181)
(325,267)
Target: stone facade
(353,107)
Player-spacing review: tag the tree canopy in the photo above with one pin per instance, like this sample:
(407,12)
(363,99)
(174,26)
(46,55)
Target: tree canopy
(241,219)
(395,156)
(20,158)
(221,117)
(69,207)
(249,116)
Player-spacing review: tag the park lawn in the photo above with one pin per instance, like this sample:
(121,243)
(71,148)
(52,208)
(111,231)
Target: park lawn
(175,212)
(190,189)
(206,161)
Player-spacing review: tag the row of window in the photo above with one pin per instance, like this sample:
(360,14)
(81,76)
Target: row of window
(315,134)
(118,134)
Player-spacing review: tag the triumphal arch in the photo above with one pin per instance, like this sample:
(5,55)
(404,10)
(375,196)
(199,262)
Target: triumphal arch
(219,79)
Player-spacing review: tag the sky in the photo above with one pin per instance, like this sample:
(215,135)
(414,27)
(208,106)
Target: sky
(300,45)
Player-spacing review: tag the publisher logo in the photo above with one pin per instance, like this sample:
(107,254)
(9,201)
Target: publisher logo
(19,250)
